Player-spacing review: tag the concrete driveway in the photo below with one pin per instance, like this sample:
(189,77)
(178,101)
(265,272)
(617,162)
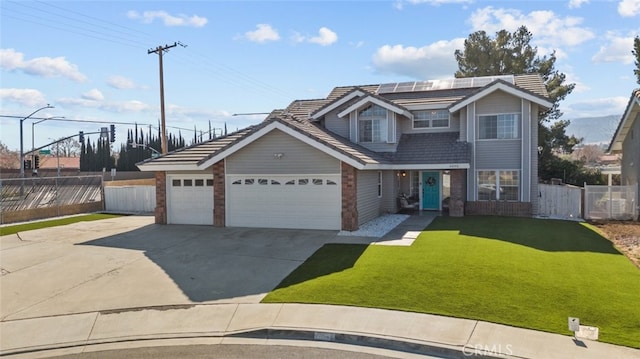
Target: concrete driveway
(130,262)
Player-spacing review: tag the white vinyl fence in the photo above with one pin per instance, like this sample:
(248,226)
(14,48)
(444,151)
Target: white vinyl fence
(130,199)
(560,201)
(610,202)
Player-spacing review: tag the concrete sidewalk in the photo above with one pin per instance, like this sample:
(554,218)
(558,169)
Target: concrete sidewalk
(266,324)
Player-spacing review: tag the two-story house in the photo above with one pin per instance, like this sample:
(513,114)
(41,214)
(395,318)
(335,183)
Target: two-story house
(467,144)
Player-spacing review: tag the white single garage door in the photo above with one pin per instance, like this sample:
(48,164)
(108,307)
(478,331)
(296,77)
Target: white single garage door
(291,201)
(190,199)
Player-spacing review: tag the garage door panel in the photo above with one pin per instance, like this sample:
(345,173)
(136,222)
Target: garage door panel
(190,199)
(284,201)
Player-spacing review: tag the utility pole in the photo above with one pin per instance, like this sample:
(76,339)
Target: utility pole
(160,50)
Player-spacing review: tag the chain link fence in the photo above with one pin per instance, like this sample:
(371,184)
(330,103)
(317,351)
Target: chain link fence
(23,199)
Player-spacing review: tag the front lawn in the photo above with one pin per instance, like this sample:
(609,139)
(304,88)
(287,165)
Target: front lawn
(523,272)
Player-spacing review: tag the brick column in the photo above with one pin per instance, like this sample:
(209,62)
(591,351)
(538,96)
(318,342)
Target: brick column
(456,203)
(161,197)
(219,204)
(349,198)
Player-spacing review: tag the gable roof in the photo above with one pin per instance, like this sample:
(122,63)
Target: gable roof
(626,122)
(502,86)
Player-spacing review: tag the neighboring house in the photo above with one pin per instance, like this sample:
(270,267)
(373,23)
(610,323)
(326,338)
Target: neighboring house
(53,162)
(626,140)
(335,163)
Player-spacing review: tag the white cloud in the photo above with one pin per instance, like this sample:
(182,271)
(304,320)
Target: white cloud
(548,29)
(262,34)
(148,17)
(628,8)
(12,60)
(93,95)
(325,37)
(434,61)
(439,2)
(120,82)
(597,107)
(617,49)
(576,4)
(86,101)
(26,97)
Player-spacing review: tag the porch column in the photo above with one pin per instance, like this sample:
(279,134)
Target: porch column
(349,198)
(456,203)
(161,197)
(219,204)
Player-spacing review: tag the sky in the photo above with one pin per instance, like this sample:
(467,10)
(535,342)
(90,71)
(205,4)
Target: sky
(90,60)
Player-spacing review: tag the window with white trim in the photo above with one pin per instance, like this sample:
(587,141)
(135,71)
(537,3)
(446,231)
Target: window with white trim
(372,124)
(498,127)
(498,185)
(431,119)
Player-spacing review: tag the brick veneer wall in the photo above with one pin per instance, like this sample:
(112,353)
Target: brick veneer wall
(499,208)
(161,197)
(218,194)
(349,198)
(456,201)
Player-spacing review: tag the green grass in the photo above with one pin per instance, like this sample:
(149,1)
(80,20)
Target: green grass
(517,271)
(52,223)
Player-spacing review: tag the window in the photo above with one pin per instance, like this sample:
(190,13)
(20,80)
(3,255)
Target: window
(316,181)
(303,181)
(263,181)
(498,185)
(175,183)
(498,126)
(248,181)
(379,184)
(431,119)
(199,183)
(331,183)
(372,124)
(274,182)
(188,183)
(209,183)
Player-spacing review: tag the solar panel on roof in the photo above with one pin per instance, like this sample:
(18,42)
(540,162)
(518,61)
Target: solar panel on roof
(468,82)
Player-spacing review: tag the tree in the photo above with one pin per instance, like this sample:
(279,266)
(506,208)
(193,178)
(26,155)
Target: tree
(636,53)
(512,53)
(68,148)
(8,159)
(589,154)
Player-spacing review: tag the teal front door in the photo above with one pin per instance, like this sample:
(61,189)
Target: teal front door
(431,190)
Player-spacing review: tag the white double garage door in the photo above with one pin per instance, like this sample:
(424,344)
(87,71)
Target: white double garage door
(268,201)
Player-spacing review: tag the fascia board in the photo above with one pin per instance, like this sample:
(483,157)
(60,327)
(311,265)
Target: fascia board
(623,129)
(337,103)
(425,166)
(370,99)
(500,86)
(288,130)
(153,167)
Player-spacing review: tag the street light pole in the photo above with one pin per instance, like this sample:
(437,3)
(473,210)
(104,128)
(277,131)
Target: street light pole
(22,140)
(33,146)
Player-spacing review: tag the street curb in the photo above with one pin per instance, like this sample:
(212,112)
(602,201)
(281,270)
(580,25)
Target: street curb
(387,343)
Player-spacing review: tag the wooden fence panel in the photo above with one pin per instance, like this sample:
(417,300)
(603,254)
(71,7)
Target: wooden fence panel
(560,201)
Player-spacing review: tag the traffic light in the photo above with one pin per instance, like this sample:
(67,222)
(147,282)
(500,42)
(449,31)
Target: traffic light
(81,136)
(36,161)
(113,133)
(27,164)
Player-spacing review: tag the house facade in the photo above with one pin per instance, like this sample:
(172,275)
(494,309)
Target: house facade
(626,141)
(466,145)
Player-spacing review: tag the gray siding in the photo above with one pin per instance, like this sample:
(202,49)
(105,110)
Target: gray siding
(631,154)
(498,154)
(498,102)
(298,157)
(368,201)
(463,124)
(337,125)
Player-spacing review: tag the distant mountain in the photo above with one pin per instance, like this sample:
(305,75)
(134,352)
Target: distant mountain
(594,130)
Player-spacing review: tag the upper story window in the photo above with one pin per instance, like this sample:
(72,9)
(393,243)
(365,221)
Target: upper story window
(431,119)
(504,126)
(372,124)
